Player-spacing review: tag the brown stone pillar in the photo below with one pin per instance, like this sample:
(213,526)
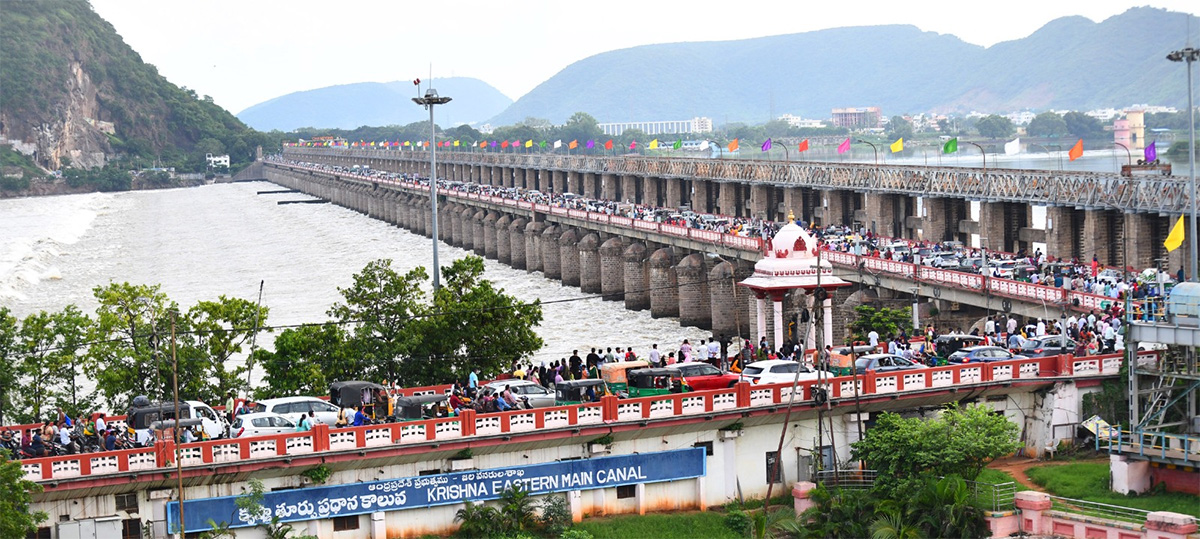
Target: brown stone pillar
(702,198)
(533,245)
(516,239)
(489,235)
(727,202)
(637,277)
(589,264)
(695,307)
(609,186)
(760,201)
(551,257)
(629,188)
(568,252)
(664,292)
(504,240)
(612,269)
(651,193)
(1098,236)
(591,187)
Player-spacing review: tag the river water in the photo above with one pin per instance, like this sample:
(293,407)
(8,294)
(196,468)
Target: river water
(202,242)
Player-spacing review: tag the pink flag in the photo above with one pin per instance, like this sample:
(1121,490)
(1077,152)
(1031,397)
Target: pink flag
(844,146)
(633,145)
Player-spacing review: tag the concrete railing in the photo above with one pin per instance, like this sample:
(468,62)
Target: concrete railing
(996,286)
(609,410)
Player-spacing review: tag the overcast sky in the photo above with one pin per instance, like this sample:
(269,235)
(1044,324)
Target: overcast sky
(244,52)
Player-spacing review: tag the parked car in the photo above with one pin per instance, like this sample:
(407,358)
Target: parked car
(145,417)
(1000,268)
(982,354)
(1046,345)
(969,264)
(702,376)
(293,407)
(779,371)
(261,424)
(1110,276)
(942,260)
(539,397)
(885,363)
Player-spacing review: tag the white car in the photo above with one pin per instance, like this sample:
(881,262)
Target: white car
(539,397)
(260,424)
(778,371)
(293,407)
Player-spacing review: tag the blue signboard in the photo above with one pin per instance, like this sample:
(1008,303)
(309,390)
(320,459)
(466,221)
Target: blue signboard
(430,490)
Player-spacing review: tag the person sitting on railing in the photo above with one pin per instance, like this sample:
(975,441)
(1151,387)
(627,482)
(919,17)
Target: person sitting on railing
(36,446)
(360,418)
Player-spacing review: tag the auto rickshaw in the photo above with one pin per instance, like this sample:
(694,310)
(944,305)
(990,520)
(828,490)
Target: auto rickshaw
(650,382)
(947,344)
(616,374)
(372,397)
(578,391)
(841,359)
(420,407)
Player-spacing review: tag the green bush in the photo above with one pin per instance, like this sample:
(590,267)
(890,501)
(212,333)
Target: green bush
(738,521)
(576,534)
(556,515)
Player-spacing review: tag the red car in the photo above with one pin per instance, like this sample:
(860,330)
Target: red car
(702,376)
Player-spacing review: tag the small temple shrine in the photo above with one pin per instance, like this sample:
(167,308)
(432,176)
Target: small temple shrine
(791,261)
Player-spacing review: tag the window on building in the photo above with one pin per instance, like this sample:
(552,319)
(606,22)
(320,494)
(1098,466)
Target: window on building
(774,469)
(434,471)
(41,533)
(131,528)
(626,491)
(708,447)
(127,502)
(341,524)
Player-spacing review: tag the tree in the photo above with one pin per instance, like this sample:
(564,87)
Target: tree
(381,307)
(306,359)
(899,127)
(961,441)
(50,363)
(474,326)
(8,361)
(221,328)
(1047,124)
(994,127)
(883,320)
(16,495)
(1083,126)
(580,126)
(131,338)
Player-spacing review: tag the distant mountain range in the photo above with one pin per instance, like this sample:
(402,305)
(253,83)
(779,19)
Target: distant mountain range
(375,104)
(1070,62)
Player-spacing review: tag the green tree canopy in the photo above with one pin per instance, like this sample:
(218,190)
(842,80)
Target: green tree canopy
(995,126)
(1083,126)
(961,441)
(9,330)
(884,320)
(899,127)
(306,360)
(16,495)
(1047,124)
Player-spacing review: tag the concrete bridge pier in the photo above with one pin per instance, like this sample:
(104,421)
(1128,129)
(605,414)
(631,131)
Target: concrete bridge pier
(445,224)
(727,201)
(504,240)
(591,185)
(568,252)
(574,182)
(652,192)
(702,197)
(456,224)
(608,186)
(551,257)
(490,247)
(637,277)
(629,189)
(612,269)
(760,201)
(516,237)
(695,304)
(664,292)
(478,244)
(589,264)
(533,245)
(728,301)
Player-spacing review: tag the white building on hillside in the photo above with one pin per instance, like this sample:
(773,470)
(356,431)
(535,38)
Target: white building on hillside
(667,127)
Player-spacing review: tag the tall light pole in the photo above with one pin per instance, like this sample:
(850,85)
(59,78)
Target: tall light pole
(431,98)
(874,150)
(981,150)
(1190,55)
(1128,154)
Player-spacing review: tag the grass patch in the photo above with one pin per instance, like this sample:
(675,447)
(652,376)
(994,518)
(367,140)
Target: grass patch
(995,477)
(1089,481)
(682,525)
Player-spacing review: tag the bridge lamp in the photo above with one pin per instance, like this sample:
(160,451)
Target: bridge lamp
(432,98)
(1190,55)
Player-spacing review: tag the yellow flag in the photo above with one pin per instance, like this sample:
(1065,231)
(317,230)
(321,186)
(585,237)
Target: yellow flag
(456,144)
(1175,238)
(898,146)
(654,144)
(529,143)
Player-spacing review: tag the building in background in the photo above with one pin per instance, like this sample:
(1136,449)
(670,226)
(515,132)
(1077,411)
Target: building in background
(698,124)
(858,118)
(798,122)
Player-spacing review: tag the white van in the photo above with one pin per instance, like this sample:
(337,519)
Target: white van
(145,418)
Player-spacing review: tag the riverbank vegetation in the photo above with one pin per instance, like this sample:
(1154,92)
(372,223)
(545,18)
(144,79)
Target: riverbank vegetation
(386,329)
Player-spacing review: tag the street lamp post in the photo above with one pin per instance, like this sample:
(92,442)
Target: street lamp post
(981,150)
(431,98)
(1128,154)
(874,150)
(1190,55)
(1048,152)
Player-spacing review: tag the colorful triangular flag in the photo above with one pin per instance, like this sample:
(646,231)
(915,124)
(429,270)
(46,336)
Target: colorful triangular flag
(608,145)
(529,143)
(1175,238)
(1151,152)
(844,146)
(950,146)
(678,144)
(766,145)
(1012,147)
(898,146)
(733,146)
(591,144)
(573,144)
(803,145)
(653,144)
(1076,150)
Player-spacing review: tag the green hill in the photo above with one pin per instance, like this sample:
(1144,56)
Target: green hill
(73,89)
(1071,62)
(375,104)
